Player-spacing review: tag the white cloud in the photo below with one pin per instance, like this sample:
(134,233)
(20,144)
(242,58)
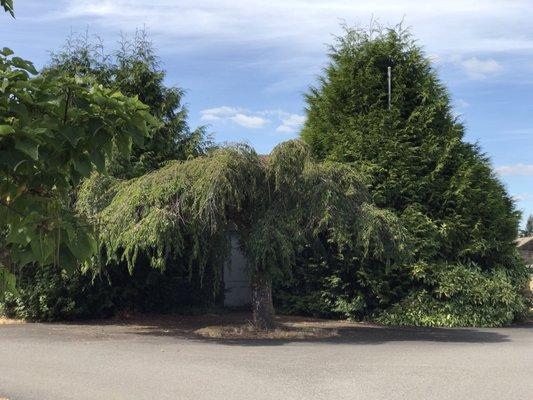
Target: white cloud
(480,69)
(523,197)
(461,103)
(100,8)
(286,122)
(218,113)
(291,123)
(516,170)
(443,26)
(249,121)
(238,115)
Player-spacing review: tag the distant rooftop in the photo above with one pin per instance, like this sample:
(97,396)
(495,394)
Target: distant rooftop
(521,242)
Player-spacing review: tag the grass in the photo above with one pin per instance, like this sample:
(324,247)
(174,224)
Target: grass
(247,331)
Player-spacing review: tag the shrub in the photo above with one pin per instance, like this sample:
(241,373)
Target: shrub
(460,295)
(47,294)
(340,286)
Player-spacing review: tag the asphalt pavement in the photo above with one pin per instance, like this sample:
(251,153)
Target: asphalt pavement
(114,362)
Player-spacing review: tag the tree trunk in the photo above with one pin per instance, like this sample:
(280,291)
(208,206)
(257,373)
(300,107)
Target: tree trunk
(262,306)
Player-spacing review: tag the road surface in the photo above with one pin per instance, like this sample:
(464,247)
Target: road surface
(113,362)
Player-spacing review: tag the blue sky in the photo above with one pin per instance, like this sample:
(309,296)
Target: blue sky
(246,64)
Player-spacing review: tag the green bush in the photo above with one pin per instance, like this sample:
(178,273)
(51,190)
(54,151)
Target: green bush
(460,295)
(421,294)
(339,286)
(48,294)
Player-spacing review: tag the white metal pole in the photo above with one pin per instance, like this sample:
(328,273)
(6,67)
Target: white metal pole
(389,75)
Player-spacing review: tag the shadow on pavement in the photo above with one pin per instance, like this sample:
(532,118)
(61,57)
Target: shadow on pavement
(187,327)
(341,332)
(359,335)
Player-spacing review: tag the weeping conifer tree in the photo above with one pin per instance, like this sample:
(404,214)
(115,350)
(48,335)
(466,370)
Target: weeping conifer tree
(278,206)
(412,155)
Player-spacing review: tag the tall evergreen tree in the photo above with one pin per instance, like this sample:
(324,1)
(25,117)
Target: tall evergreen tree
(413,154)
(465,268)
(134,69)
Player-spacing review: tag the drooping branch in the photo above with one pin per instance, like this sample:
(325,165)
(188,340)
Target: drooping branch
(278,207)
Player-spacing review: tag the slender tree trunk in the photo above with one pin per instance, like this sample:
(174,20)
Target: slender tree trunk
(262,306)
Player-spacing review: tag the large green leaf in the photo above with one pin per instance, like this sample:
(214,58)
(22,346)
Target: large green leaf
(8,281)
(8,7)
(6,130)
(6,52)
(54,129)
(27,146)
(23,64)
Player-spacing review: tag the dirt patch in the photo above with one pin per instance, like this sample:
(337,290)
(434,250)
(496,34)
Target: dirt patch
(234,326)
(7,321)
(247,331)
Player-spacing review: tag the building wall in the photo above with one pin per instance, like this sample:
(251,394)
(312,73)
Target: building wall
(525,247)
(237,290)
(526,250)
(528,256)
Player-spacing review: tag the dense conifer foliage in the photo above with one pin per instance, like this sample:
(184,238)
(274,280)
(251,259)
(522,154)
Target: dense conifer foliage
(277,207)
(415,162)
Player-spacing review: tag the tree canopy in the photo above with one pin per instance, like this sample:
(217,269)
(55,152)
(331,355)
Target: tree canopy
(134,70)
(277,207)
(413,156)
(415,162)
(54,130)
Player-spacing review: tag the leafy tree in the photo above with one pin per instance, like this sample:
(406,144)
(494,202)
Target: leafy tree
(412,155)
(135,70)
(54,130)
(8,6)
(278,206)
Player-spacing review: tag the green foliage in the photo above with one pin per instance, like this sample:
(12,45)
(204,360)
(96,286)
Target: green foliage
(411,155)
(49,294)
(54,130)
(181,209)
(460,295)
(7,281)
(8,6)
(135,71)
(414,162)
(278,207)
(48,299)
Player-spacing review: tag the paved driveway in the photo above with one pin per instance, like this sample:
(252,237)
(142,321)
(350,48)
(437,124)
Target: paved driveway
(59,362)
